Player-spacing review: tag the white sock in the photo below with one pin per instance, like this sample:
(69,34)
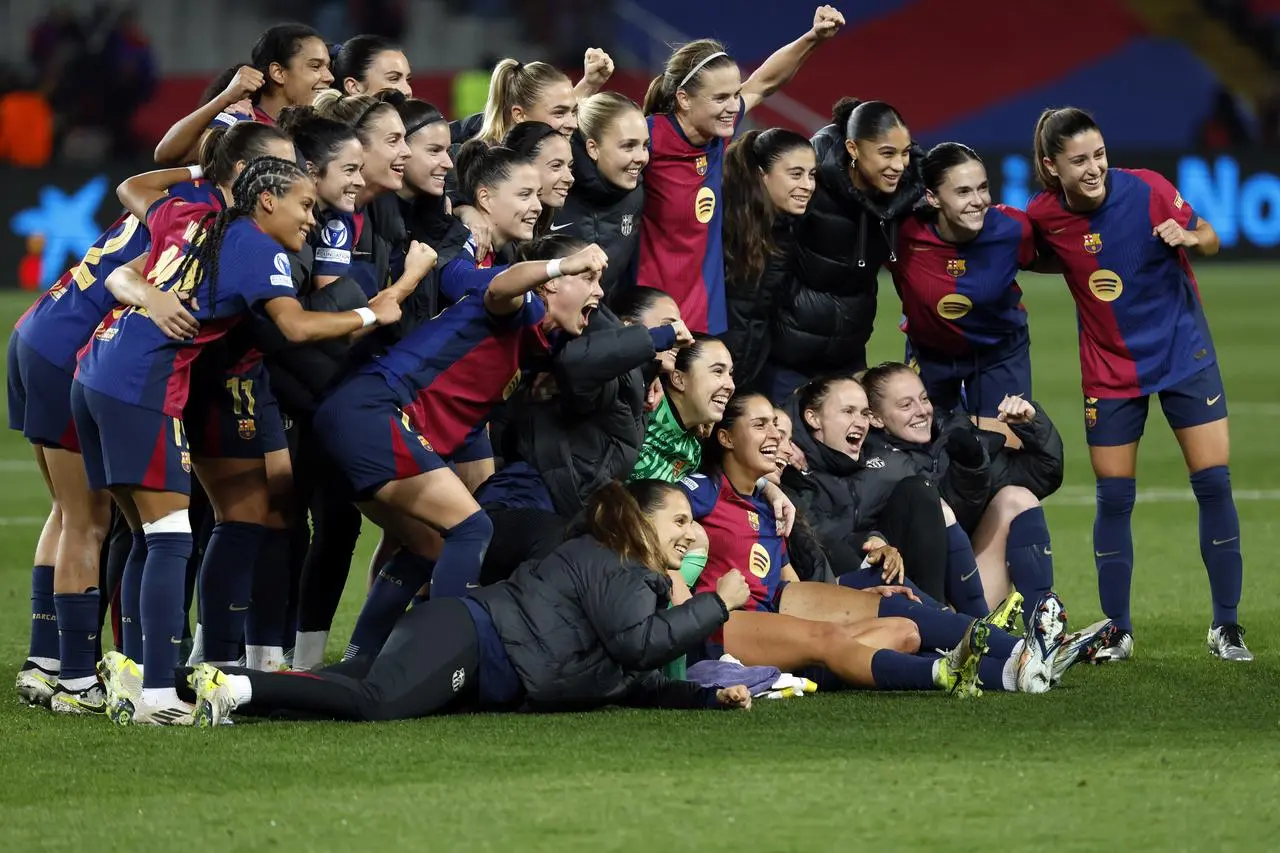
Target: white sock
(264,658)
(308,649)
(160,697)
(197,646)
(1010,674)
(241,688)
(49,665)
(75,685)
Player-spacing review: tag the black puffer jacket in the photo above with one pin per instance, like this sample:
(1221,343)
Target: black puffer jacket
(425,221)
(584,629)
(1038,466)
(591,430)
(754,307)
(827,495)
(843,240)
(599,212)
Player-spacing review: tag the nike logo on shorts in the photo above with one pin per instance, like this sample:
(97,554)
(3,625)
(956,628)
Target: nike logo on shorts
(964,578)
(1209,401)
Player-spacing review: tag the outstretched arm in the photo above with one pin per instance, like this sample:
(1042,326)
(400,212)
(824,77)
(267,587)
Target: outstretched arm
(138,193)
(181,143)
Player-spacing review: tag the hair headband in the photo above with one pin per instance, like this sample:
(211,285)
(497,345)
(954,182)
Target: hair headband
(699,67)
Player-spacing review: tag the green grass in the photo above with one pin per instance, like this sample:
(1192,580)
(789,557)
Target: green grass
(1173,751)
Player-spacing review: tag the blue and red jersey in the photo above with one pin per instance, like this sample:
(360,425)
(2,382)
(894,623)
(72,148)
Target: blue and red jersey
(65,315)
(1142,328)
(681,246)
(229,119)
(466,273)
(743,535)
(960,297)
(333,243)
(59,323)
(452,371)
(131,360)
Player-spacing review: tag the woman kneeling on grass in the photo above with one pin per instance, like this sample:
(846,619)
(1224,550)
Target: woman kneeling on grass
(586,627)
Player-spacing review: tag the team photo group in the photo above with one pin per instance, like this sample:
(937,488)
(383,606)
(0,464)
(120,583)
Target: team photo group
(596,372)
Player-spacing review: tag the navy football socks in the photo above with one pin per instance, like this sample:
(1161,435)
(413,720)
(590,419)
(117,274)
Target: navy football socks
(1029,557)
(1220,541)
(1113,547)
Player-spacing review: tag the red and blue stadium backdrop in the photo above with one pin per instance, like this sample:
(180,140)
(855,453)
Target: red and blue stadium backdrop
(974,72)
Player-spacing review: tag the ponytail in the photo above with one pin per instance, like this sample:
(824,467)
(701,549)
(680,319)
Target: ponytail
(223,148)
(514,84)
(684,70)
(616,518)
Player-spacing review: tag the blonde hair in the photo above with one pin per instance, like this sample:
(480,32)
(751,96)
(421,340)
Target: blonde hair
(358,112)
(599,112)
(514,84)
(683,71)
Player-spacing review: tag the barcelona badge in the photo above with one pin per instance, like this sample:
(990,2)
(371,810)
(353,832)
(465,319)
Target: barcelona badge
(700,164)
(426,445)
(246,428)
(955,267)
(1090,412)
(1093,243)
(754,520)
(185,460)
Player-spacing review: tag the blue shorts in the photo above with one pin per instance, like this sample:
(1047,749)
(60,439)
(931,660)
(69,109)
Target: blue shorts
(1198,399)
(363,430)
(127,445)
(476,448)
(234,418)
(975,383)
(40,398)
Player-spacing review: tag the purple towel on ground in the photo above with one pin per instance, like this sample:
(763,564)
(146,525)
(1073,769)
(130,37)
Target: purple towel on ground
(727,673)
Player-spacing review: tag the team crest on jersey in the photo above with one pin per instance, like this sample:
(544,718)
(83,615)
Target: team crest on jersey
(753,518)
(955,267)
(426,445)
(185,459)
(759,561)
(246,428)
(628,224)
(704,205)
(953,306)
(1093,243)
(676,468)
(700,165)
(1106,285)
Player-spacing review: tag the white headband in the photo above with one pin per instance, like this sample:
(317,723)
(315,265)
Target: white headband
(699,67)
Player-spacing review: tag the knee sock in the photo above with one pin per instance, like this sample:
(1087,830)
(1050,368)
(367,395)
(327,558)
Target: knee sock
(389,597)
(1219,540)
(1030,558)
(226,587)
(1113,547)
(43,649)
(77,638)
(939,629)
(268,621)
(458,569)
(964,581)
(131,598)
(897,671)
(161,599)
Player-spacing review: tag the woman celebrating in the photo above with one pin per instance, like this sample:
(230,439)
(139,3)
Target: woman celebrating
(610,150)
(586,627)
(133,382)
(1122,238)
(868,182)
(955,271)
(768,181)
(367,65)
(866,637)
(533,91)
(694,109)
(992,490)
(551,155)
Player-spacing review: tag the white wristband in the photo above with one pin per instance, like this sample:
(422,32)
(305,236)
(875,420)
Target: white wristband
(196,172)
(553,269)
(367,316)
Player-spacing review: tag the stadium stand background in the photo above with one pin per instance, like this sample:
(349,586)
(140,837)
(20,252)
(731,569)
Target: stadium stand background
(1189,87)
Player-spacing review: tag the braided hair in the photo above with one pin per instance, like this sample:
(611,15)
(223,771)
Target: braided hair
(262,174)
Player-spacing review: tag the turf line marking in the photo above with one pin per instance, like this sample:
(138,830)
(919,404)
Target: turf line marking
(1077,496)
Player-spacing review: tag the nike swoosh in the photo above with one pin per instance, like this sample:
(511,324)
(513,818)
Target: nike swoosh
(1057,230)
(964,578)
(239,608)
(93,637)
(1225,541)
(175,641)
(473,586)
(1209,401)
(560,227)
(1105,553)
(1048,553)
